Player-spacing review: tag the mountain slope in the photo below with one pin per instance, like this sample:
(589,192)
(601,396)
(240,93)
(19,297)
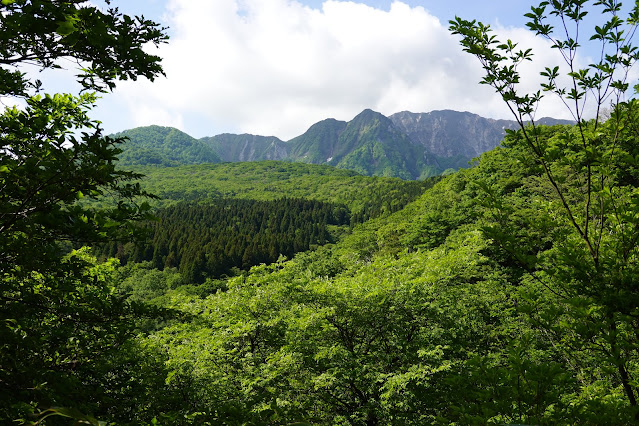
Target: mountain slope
(452,133)
(247,147)
(371,145)
(319,143)
(406,145)
(271,180)
(163,146)
(453,137)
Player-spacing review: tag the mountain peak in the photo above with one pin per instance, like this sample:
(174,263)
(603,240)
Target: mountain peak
(369,114)
(163,146)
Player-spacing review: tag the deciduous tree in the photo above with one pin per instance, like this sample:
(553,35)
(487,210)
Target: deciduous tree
(586,199)
(57,310)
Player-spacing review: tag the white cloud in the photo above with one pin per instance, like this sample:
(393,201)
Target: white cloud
(275,67)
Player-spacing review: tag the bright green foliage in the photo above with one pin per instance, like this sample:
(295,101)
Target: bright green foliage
(379,346)
(504,294)
(141,282)
(581,204)
(416,318)
(66,342)
(366,197)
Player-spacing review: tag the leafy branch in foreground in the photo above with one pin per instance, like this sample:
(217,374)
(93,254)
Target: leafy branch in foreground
(104,45)
(593,197)
(45,168)
(61,323)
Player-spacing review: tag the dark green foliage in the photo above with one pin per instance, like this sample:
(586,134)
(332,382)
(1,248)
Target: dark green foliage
(41,183)
(214,239)
(66,339)
(163,146)
(504,294)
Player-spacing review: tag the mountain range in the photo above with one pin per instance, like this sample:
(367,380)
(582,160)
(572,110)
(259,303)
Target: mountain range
(405,145)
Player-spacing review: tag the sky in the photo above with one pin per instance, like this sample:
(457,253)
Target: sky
(275,67)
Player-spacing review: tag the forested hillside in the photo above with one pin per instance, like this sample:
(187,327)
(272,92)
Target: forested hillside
(163,146)
(208,225)
(210,241)
(466,306)
(371,145)
(364,196)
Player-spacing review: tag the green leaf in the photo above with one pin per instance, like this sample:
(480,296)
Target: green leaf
(67,26)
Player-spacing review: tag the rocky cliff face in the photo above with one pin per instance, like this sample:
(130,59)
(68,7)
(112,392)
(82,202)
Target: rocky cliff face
(234,148)
(451,133)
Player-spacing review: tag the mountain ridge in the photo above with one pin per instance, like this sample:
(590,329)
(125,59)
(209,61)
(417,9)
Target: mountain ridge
(405,144)
(163,146)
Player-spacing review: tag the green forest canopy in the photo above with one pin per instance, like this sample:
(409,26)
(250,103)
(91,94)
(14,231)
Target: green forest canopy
(272,180)
(427,315)
(504,294)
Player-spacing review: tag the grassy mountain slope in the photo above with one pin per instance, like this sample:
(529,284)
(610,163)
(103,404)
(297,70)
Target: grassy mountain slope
(371,145)
(319,143)
(163,146)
